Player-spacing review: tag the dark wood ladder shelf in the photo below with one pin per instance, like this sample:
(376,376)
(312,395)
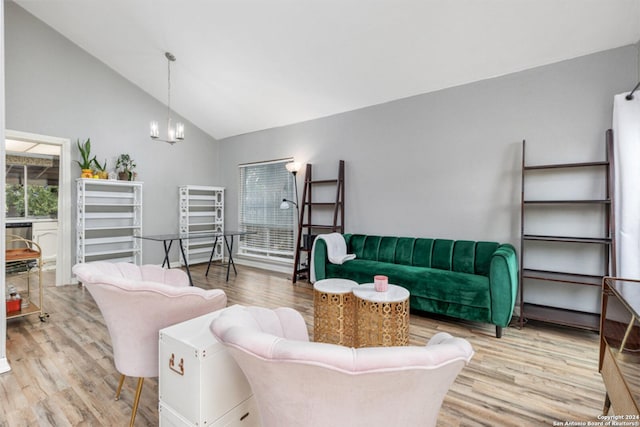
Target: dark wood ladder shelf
(559,315)
(307,227)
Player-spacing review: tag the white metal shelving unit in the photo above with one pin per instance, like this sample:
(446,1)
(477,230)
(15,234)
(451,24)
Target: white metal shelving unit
(108,216)
(201,211)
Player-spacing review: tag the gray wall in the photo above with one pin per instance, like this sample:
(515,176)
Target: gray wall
(447,164)
(55,88)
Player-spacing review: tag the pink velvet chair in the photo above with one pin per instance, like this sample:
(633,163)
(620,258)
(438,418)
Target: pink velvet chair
(296,382)
(136,302)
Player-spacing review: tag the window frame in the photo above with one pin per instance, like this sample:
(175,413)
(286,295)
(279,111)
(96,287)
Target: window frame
(275,228)
(29,162)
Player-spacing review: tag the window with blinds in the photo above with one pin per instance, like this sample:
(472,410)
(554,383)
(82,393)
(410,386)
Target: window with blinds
(262,188)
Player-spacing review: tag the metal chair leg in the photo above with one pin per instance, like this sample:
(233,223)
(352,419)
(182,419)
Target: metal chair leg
(136,401)
(122,377)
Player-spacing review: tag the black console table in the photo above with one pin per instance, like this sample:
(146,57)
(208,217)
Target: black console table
(168,239)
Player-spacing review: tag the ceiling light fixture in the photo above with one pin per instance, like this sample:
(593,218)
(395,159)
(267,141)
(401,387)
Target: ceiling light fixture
(173,134)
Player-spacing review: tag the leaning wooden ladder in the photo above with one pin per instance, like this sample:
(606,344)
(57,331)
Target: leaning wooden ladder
(307,227)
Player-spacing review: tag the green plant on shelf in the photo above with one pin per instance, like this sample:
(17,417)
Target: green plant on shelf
(86,161)
(125,165)
(101,169)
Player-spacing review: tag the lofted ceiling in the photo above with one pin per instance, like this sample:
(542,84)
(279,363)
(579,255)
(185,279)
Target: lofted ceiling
(248,65)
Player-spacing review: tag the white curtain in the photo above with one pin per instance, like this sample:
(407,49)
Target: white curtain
(626,143)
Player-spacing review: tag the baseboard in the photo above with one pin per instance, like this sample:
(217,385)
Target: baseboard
(279,268)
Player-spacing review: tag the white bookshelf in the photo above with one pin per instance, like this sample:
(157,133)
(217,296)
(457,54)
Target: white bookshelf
(108,216)
(201,211)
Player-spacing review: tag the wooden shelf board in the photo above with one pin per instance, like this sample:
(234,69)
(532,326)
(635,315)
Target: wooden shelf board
(566,165)
(322,204)
(23,254)
(568,202)
(559,316)
(553,276)
(568,239)
(323,181)
(32,309)
(329,227)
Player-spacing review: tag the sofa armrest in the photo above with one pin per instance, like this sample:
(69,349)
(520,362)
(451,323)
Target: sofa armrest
(503,282)
(320,259)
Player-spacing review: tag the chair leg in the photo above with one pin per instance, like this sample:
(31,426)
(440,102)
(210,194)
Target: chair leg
(136,401)
(122,377)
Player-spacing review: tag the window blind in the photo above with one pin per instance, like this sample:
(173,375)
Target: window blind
(262,188)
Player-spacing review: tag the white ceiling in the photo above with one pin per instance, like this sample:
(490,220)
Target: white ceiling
(17,146)
(247,65)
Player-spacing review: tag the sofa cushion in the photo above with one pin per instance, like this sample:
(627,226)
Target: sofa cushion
(422,252)
(442,254)
(464,256)
(371,246)
(484,252)
(404,251)
(387,249)
(355,245)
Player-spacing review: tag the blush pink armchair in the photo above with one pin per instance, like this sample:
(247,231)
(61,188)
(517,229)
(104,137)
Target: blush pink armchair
(296,382)
(136,302)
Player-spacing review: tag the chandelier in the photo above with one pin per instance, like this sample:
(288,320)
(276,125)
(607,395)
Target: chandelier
(173,134)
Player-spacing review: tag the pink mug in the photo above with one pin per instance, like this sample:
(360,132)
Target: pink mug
(381,283)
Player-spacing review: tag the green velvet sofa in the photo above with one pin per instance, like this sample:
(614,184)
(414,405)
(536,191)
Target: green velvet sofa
(476,281)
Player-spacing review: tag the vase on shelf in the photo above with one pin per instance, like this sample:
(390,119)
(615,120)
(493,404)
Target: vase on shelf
(86,173)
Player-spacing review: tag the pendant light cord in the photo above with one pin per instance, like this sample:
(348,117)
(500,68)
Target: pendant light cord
(168,92)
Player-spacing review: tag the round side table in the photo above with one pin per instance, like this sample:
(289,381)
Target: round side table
(382,317)
(334,311)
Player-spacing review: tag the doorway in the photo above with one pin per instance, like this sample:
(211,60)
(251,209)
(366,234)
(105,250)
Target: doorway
(54,154)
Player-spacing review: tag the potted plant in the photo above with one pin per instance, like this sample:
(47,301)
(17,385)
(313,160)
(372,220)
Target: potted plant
(101,169)
(125,166)
(86,160)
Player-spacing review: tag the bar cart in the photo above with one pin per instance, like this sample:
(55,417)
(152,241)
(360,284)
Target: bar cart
(23,256)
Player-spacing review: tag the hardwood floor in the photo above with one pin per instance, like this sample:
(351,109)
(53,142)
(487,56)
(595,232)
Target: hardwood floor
(63,374)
